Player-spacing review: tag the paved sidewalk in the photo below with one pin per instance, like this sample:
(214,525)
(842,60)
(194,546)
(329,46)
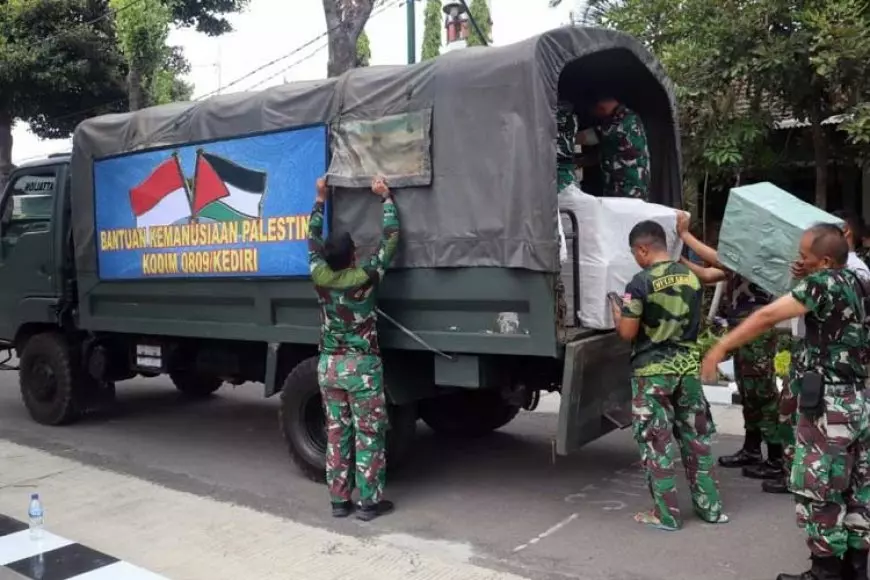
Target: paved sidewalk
(183,536)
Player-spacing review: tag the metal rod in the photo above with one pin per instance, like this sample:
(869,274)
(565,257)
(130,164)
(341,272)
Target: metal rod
(412,31)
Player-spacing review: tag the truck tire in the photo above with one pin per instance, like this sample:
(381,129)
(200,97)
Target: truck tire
(49,380)
(303,424)
(467,414)
(195,385)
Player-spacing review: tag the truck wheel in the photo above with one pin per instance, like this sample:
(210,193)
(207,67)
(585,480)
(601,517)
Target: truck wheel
(467,414)
(195,385)
(47,377)
(303,423)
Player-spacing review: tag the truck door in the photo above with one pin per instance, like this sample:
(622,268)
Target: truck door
(26,248)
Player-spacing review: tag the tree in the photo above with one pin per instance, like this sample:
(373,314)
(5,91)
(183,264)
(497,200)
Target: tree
(56,70)
(345,20)
(479,9)
(432,29)
(143,28)
(804,57)
(155,69)
(363,50)
(206,15)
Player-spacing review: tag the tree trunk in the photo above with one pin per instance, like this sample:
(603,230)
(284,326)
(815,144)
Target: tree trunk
(345,20)
(820,158)
(135,90)
(6,166)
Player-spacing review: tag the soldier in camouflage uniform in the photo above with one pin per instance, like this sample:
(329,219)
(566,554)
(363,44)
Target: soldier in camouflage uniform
(753,365)
(830,476)
(623,150)
(661,315)
(350,371)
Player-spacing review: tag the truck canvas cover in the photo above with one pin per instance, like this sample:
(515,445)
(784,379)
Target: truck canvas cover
(469,138)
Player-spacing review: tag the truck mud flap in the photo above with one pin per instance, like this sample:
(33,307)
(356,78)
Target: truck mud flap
(596,390)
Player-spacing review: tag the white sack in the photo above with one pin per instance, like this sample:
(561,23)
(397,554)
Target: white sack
(605,260)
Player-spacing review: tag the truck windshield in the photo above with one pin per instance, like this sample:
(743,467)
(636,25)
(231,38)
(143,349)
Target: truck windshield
(32,197)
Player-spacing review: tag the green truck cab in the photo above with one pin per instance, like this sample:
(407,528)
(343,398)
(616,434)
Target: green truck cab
(465,348)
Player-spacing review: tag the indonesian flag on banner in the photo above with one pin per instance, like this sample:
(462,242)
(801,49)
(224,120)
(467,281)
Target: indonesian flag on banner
(162,198)
(226,191)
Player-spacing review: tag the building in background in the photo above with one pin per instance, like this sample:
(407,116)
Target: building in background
(457,24)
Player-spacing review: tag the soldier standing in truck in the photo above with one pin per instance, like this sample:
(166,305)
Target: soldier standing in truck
(623,150)
(350,370)
(661,316)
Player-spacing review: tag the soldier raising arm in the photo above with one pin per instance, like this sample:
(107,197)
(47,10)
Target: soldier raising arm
(830,476)
(350,371)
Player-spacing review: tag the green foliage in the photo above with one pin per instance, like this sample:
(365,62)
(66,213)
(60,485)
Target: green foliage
(782,363)
(479,9)
(156,70)
(207,16)
(736,63)
(363,50)
(432,29)
(54,69)
(708,338)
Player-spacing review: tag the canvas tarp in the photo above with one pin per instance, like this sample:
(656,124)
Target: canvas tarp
(491,198)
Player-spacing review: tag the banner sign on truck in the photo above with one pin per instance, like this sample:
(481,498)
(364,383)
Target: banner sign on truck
(231,208)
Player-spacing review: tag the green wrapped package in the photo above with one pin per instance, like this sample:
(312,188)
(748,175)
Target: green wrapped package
(761,232)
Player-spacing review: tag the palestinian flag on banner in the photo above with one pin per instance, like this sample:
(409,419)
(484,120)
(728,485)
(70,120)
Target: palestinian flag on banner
(226,191)
(161,199)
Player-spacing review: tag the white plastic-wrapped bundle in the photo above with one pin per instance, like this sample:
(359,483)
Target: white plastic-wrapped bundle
(606,263)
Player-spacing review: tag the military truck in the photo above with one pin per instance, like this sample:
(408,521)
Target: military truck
(92,295)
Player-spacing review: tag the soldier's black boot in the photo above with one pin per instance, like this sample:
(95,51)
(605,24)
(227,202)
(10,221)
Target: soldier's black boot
(855,565)
(775,485)
(750,454)
(770,469)
(341,509)
(369,512)
(828,568)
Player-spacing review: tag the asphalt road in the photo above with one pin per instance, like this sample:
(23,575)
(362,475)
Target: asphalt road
(501,501)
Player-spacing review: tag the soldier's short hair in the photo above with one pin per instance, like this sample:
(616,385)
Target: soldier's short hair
(649,233)
(338,251)
(829,241)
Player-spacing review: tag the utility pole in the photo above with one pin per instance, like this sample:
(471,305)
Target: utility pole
(412,30)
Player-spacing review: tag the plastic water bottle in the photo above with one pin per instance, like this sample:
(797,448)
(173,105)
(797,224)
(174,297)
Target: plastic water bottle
(36,515)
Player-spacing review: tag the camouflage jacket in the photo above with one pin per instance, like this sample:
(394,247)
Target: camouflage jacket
(624,155)
(348,297)
(666,297)
(566,133)
(835,333)
(742,298)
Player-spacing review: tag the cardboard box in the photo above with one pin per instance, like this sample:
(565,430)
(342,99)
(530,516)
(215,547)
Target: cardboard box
(761,233)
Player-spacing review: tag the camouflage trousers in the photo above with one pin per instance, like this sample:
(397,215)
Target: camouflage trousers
(667,406)
(356,417)
(830,476)
(787,423)
(756,383)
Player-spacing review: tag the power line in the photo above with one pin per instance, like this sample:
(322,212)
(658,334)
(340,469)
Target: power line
(382,6)
(285,69)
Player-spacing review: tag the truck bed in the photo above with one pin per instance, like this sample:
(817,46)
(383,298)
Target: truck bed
(463,310)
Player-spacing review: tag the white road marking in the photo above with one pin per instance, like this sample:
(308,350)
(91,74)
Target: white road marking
(549,532)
